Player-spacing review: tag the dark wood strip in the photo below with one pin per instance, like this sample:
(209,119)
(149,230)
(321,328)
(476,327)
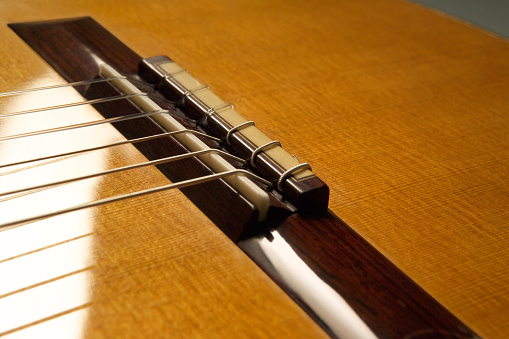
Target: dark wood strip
(388,301)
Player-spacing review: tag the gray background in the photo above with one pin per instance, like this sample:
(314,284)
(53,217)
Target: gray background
(492,15)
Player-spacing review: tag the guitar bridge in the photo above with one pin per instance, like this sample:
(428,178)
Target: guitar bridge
(175,101)
(340,279)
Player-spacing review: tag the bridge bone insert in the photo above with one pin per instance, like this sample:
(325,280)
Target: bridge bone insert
(244,185)
(301,187)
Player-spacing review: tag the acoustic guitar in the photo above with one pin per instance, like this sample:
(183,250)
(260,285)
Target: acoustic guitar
(397,228)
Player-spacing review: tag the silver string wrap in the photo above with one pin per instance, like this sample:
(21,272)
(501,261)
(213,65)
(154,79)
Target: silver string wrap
(262,148)
(295,169)
(217,109)
(194,90)
(170,75)
(190,96)
(236,128)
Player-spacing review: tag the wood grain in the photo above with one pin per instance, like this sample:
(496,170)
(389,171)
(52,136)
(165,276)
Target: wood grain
(145,267)
(402,111)
(325,243)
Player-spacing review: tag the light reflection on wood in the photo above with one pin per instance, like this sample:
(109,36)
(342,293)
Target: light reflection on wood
(68,325)
(44,301)
(157,264)
(40,267)
(47,264)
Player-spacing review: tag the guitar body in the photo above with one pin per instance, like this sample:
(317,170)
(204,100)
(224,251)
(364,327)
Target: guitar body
(72,274)
(401,111)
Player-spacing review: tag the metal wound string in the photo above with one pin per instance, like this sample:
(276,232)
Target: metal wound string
(77,104)
(82,103)
(118,143)
(125,96)
(180,184)
(125,168)
(73,104)
(71,84)
(84,124)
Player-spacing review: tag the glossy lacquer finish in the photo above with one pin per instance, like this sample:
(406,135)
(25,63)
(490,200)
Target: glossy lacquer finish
(146,267)
(46,266)
(401,111)
(321,240)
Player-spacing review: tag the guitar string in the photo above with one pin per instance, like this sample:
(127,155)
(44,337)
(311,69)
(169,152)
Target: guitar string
(86,102)
(84,124)
(185,183)
(125,168)
(70,84)
(180,184)
(89,102)
(69,105)
(118,143)
(93,102)
(82,103)
(95,123)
